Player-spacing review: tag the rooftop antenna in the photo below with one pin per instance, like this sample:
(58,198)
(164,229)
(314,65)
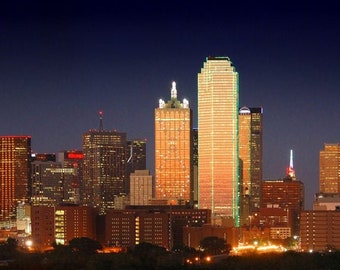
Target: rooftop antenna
(101,121)
(290,169)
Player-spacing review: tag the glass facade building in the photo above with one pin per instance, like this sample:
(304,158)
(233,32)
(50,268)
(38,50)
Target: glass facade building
(218,169)
(173,150)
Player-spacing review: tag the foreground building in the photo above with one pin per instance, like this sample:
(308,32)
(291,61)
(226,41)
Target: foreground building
(320,231)
(158,225)
(286,194)
(60,224)
(218,169)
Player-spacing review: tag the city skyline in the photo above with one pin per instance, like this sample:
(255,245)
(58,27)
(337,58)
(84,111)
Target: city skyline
(61,64)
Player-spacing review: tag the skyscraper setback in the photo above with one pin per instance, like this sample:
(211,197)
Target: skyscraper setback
(218,106)
(173,150)
(15,152)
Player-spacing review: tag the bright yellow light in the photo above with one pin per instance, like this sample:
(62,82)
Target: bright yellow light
(28,243)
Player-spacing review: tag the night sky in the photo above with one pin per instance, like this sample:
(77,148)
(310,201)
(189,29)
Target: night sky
(63,62)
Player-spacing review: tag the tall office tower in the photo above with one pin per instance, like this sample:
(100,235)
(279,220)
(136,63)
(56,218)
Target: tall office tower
(218,164)
(173,150)
(329,175)
(15,153)
(136,158)
(72,159)
(250,153)
(104,169)
(141,187)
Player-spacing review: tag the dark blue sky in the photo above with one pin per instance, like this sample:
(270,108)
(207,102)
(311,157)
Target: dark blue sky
(62,62)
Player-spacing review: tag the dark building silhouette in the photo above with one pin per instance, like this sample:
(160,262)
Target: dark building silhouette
(159,225)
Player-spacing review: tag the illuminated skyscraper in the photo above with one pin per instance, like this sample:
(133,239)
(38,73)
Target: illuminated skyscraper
(104,167)
(218,169)
(173,150)
(329,179)
(15,152)
(250,152)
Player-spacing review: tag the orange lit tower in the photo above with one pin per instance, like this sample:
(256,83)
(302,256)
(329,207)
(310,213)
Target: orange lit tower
(250,152)
(173,150)
(15,152)
(329,178)
(218,163)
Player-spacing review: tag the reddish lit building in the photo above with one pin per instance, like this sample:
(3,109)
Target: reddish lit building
(42,223)
(287,194)
(15,154)
(61,224)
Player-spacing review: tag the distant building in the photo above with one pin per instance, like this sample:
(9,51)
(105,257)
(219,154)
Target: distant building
(136,159)
(15,155)
(250,153)
(136,156)
(327,201)
(173,150)
(72,186)
(47,182)
(320,231)
(104,167)
(218,105)
(286,194)
(329,178)
(43,157)
(141,187)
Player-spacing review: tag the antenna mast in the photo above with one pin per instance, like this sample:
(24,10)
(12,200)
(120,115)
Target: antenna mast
(101,121)
(290,169)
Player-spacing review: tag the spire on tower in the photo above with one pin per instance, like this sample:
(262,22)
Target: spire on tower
(101,121)
(290,169)
(173,90)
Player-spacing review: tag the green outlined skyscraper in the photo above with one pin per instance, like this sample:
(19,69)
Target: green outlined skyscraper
(218,169)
